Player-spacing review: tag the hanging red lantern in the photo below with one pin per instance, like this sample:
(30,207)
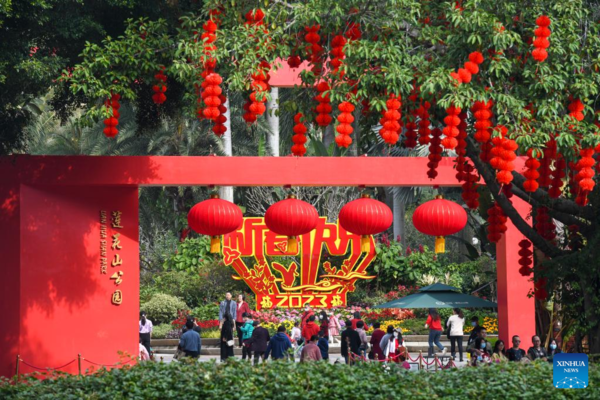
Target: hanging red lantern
(435,152)
(531,174)
(461,148)
(470,194)
(291,217)
(390,121)
(365,216)
(558,175)
(496,223)
(439,218)
(215,217)
(424,123)
(111,123)
(160,87)
(344,128)
(324,107)
(482,112)
(451,131)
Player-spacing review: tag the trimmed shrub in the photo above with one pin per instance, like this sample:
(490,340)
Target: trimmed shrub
(162,308)
(286,380)
(159,331)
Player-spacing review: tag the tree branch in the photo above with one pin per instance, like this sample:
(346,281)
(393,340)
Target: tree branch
(509,210)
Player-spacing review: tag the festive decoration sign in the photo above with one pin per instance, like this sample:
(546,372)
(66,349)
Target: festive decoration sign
(282,279)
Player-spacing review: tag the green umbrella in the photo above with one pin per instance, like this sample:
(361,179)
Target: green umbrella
(438,299)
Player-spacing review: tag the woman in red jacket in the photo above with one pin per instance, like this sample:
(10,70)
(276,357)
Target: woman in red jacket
(242,308)
(435,331)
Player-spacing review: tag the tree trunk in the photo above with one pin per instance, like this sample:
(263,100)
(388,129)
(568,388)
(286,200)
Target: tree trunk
(226,192)
(273,120)
(399,211)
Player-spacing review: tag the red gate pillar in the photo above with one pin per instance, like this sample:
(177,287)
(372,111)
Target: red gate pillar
(59,293)
(516,311)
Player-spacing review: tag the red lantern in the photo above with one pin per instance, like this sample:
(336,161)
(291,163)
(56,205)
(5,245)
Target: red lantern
(439,218)
(215,217)
(365,216)
(291,217)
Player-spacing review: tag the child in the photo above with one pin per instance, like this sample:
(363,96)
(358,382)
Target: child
(247,330)
(323,345)
(334,327)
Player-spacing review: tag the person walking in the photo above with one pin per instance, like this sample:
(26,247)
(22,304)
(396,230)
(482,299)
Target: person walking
(310,351)
(376,337)
(259,341)
(310,329)
(278,345)
(334,327)
(247,330)
(435,331)
(226,338)
(190,341)
(241,308)
(364,343)
(350,343)
(145,331)
(456,323)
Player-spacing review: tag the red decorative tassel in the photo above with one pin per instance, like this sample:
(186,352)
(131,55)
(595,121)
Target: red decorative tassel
(324,107)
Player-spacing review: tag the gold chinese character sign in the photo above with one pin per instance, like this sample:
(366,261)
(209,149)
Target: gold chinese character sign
(304,279)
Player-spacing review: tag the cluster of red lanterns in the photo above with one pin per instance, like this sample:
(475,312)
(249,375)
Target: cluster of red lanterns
(584,175)
(344,128)
(541,42)
(324,107)
(110,124)
(545,171)
(531,173)
(337,54)
(290,217)
(410,132)
(461,148)
(525,260)
(496,223)
(210,94)
(439,218)
(555,189)
(160,87)
(503,155)
(314,50)
(452,120)
(390,120)
(471,67)
(435,152)
(470,194)
(482,112)
(299,137)
(424,123)
(544,224)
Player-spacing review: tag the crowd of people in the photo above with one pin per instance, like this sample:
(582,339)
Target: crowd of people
(311,336)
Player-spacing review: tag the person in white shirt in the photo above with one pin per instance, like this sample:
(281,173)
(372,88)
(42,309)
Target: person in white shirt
(456,323)
(296,335)
(145,331)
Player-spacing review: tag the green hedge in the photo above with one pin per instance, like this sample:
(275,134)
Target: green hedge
(285,380)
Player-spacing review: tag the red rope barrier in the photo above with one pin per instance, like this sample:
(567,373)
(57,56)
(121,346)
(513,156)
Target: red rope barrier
(109,365)
(46,368)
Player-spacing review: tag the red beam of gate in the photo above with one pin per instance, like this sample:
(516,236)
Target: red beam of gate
(227,171)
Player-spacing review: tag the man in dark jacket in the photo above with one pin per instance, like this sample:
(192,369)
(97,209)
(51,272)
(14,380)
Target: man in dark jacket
(258,341)
(278,345)
(350,342)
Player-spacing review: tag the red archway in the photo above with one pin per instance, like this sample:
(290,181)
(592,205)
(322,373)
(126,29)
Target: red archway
(55,300)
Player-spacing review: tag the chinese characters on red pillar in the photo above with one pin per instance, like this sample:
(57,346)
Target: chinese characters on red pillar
(115,245)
